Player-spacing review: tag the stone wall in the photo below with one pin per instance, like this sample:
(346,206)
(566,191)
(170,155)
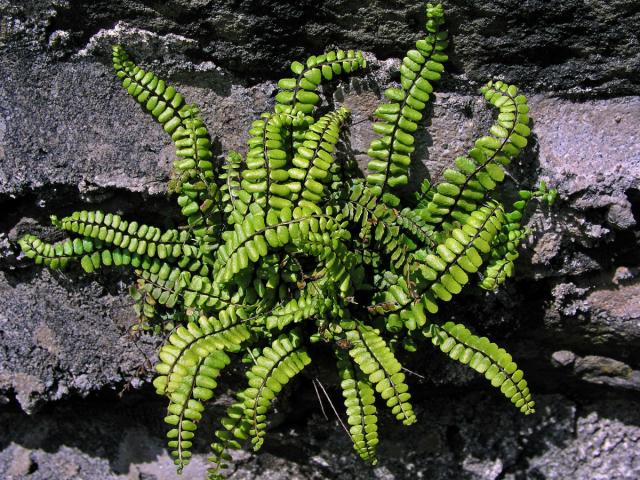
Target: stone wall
(74,399)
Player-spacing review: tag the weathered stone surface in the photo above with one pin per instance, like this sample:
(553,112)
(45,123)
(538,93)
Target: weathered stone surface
(458,436)
(63,338)
(599,370)
(574,47)
(71,139)
(70,124)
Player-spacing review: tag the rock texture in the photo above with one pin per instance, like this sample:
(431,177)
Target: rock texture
(71,139)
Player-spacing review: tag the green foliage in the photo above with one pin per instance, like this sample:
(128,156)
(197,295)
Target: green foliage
(285,248)
(398,119)
(359,401)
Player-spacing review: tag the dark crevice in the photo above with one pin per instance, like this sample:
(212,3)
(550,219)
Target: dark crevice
(33,468)
(633,195)
(60,199)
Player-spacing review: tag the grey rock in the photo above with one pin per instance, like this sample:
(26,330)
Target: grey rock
(598,451)
(459,436)
(77,127)
(563,358)
(60,338)
(616,310)
(598,370)
(606,316)
(573,47)
(71,139)
(607,371)
(624,274)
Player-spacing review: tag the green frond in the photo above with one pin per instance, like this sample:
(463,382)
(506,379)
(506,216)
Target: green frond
(402,307)
(359,207)
(398,120)
(331,253)
(466,186)
(198,193)
(142,239)
(91,253)
(234,432)
(484,357)
(379,226)
(412,222)
(306,305)
(235,199)
(197,340)
(164,291)
(440,274)
(191,385)
(194,168)
(57,255)
(257,235)
(299,94)
(164,103)
(273,369)
(359,400)
(265,175)
(504,249)
(374,358)
(445,271)
(145,305)
(314,157)
(184,284)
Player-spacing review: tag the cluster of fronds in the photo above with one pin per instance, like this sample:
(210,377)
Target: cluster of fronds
(285,246)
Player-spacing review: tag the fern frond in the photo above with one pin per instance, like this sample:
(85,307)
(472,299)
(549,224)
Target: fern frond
(374,358)
(195,169)
(252,240)
(313,159)
(411,221)
(359,400)
(466,186)
(306,305)
(194,384)
(196,341)
(329,250)
(273,369)
(138,238)
(379,226)
(299,94)
(445,271)
(91,253)
(246,243)
(164,103)
(234,432)
(235,199)
(57,255)
(391,154)
(166,291)
(504,249)
(439,275)
(168,285)
(266,163)
(145,305)
(198,192)
(484,357)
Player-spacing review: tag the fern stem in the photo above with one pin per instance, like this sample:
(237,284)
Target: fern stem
(335,411)
(315,387)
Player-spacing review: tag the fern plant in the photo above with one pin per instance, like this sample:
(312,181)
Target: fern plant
(289,245)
